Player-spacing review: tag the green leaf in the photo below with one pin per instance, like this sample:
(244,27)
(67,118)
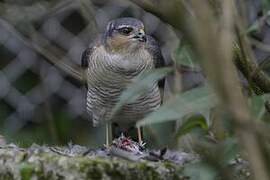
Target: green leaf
(184,55)
(140,85)
(190,123)
(200,171)
(197,100)
(230,150)
(257,107)
(254,27)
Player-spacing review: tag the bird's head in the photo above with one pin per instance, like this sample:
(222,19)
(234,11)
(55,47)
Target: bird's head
(124,35)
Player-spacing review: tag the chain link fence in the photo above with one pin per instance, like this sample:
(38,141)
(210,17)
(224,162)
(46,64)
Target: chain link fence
(41,97)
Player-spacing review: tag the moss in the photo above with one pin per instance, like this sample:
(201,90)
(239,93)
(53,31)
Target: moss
(94,170)
(26,170)
(7,176)
(99,168)
(43,164)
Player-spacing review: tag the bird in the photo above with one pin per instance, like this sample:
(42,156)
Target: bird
(123,52)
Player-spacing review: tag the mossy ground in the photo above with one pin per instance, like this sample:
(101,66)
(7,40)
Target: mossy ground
(42,163)
(16,163)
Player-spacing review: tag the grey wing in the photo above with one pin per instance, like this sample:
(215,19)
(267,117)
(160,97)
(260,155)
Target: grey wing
(85,58)
(154,48)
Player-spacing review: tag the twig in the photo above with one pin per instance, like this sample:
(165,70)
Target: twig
(257,79)
(73,71)
(171,12)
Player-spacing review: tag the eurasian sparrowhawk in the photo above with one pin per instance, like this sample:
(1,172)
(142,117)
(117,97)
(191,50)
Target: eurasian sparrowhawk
(123,52)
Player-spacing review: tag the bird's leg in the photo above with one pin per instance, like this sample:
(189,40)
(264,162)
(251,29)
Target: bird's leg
(108,134)
(139,134)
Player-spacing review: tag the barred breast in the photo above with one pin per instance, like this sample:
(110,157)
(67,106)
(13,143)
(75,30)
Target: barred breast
(108,75)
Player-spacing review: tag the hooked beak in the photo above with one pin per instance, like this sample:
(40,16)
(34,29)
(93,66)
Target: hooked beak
(140,35)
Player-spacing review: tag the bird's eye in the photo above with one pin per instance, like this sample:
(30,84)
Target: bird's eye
(125,30)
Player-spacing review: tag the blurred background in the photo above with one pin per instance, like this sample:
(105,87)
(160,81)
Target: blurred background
(42,99)
(40,102)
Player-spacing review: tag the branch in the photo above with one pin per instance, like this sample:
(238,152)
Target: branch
(245,62)
(170,12)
